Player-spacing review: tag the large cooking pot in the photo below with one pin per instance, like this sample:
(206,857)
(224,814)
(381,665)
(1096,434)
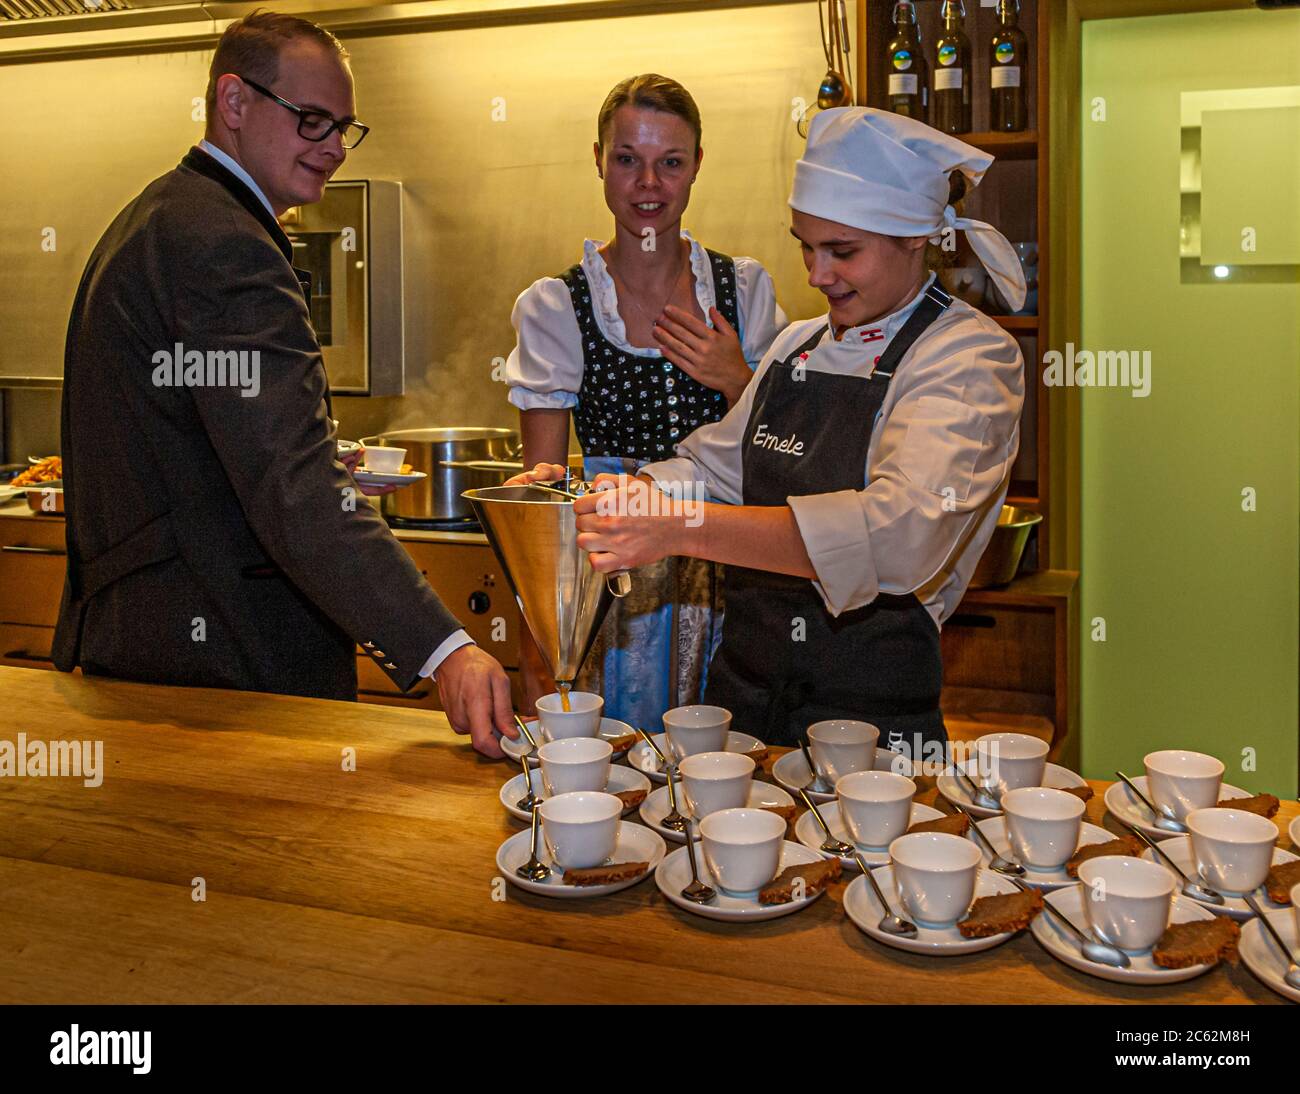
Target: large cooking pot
(455,460)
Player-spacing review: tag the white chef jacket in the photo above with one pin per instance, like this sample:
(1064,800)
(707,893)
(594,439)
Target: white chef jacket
(938,465)
(545,368)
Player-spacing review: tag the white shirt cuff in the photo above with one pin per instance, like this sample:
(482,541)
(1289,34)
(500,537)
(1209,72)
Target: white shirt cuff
(449,645)
(838,542)
(524,398)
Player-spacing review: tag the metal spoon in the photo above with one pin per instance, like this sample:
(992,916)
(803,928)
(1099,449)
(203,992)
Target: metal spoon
(696,890)
(889,922)
(1103,953)
(997,863)
(673,820)
(529,801)
(1193,889)
(1162,820)
(1292,974)
(979,795)
(523,728)
(830,844)
(816,783)
(534,869)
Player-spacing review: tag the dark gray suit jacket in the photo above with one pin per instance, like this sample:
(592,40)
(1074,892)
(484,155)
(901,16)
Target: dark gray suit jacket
(213,538)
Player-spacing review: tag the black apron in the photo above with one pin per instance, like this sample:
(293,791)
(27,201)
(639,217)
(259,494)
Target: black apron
(785,661)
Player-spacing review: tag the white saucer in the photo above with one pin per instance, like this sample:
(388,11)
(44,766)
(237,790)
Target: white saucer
(1259,951)
(674,874)
(610,730)
(864,909)
(635,844)
(1062,945)
(384,478)
(1294,831)
(809,833)
(995,831)
(1234,907)
(791,771)
(1123,804)
(1056,776)
(655,807)
(620,778)
(640,756)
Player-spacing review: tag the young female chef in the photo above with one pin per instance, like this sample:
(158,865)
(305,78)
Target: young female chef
(863,470)
(646,338)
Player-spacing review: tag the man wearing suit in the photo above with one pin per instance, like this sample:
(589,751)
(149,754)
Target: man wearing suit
(214,539)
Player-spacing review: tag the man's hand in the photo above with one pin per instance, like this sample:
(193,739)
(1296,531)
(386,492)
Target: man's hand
(543,472)
(475,694)
(711,355)
(350,461)
(623,526)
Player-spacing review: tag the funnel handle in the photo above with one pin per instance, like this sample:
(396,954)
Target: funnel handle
(619,583)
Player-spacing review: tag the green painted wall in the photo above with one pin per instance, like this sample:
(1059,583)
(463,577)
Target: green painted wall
(1200,599)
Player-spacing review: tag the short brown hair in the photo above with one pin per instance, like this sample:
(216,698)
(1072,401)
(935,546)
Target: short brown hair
(652,92)
(251,47)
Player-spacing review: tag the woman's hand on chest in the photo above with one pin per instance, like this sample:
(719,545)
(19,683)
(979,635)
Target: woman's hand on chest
(711,355)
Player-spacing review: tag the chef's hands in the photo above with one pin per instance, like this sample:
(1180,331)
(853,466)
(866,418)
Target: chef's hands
(350,460)
(622,526)
(711,355)
(543,472)
(475,695)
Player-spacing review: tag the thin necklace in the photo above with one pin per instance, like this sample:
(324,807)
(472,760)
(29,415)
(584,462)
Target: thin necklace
(636,304)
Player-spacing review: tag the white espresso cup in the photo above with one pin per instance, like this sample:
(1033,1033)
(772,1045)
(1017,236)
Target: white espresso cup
(1179,781)
(581,828)
(383,461)
(1295,906)
(575,763)
(876,806)
(1043,825)
(840,747)
(1009,761)
(935,874)
(582,719)
(1127,900)
(1233,849)
(716,780)
(696,728)
(742,848)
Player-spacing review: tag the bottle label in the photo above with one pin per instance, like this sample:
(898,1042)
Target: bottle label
(1005,53)
(901,83)
(947,55)
(902,60)
(1005,77)
(946,79)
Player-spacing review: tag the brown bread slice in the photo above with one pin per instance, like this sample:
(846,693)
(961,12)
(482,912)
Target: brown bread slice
(958,824)
(1083,793)
(1201,942)
(623,743)
(1001,913)
(816,876)
(785,812)
(1124,845)
(630,798)
(605,875)
(1266,805)
(1280,880)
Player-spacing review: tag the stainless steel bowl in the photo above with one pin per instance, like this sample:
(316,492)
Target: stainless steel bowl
(1002,556)
(455,460)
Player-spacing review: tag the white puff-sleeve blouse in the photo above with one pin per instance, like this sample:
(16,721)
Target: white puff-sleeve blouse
(544,370)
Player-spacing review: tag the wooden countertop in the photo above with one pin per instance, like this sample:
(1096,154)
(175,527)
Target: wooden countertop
(377,885)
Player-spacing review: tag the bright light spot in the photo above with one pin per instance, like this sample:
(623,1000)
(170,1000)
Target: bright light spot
(1221,271)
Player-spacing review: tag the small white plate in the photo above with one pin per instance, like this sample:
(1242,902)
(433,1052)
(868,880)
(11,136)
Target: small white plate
(611,729)
(635,844)
(809,833)
(620,778)
(864,909)
(674,874)
(1121,802)
(1294,831)
(1259,951)
(655,807)
(346,448)
(381,478)
(1234,907)
(1056,776)
(646,761)
(995,831)
(791,771)
(1062,945)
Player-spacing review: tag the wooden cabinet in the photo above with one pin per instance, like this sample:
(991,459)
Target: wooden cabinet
(32,562)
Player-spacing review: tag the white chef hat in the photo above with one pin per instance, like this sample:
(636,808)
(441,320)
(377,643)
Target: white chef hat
(885,173)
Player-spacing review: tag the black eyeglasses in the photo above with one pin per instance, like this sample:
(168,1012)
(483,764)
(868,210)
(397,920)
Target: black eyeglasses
(312,124)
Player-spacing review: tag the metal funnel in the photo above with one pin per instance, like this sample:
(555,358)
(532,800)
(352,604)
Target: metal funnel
(563,600)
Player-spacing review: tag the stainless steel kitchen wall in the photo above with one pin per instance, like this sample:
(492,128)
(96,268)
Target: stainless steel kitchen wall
(490,204)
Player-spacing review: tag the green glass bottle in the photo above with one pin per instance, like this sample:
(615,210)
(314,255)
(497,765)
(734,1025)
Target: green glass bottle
(950,111)
(1008,69)
(909,84)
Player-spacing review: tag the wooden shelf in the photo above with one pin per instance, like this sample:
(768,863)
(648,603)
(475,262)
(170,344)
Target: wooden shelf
(1016,322)
(1006,146)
